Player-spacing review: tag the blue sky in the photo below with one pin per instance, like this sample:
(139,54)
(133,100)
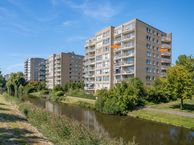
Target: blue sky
(37,28)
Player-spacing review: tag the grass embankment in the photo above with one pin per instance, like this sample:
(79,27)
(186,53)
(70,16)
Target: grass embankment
(175,105)
(62,130)
(89,103)
(14,128)
(169,113)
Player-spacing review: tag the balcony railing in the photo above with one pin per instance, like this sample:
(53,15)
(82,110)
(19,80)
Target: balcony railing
(165,53)
(166,39)
(127,71)
(166,60)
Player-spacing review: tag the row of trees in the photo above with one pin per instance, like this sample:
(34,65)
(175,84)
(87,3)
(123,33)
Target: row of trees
(178,84)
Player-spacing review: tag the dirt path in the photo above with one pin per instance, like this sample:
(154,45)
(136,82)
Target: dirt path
(191,115)
(15,130)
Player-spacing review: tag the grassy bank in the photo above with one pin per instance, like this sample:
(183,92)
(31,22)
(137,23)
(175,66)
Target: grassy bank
(175,105)
(89,103)
(169,113)
(60,129)
(14,128)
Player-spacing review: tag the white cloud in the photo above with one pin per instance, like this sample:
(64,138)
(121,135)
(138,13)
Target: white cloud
(69,22)
(15,67)
(102,10)
(75,38)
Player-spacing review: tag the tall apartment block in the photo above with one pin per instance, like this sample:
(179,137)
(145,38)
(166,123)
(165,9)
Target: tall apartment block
(34,69)
(133,49)
(64,68)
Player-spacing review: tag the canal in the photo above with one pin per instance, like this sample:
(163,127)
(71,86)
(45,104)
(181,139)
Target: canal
(145,132)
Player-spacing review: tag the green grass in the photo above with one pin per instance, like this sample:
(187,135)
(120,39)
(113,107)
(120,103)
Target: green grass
(164,118)
(83,102)
(62,130)
(175,105)
(80,94)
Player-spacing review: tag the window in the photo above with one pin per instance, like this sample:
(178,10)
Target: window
(148,70)
(105,49)
(148,78)
(148,37)
(148,30)
(106,41)
(99,37)
(148,61)
(98,58)
(148,46)
(148,54)
(98,78)
(105,78)
(105,34)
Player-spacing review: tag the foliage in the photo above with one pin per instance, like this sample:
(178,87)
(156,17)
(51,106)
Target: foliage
(57,96)
(80,93)
(31,87)
(158,93)
(62,130)
(122,98)
(2,82)
(15,81)
(180,82)
(73,86)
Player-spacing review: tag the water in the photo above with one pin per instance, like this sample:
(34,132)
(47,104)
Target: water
(145,132)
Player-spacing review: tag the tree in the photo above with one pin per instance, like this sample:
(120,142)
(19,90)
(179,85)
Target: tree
(158,93)
(2,82)
(187,62)
(14,82)
(180,82)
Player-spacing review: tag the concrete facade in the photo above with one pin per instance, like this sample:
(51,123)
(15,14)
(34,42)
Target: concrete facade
(63,68)
(132,49)
(34,69)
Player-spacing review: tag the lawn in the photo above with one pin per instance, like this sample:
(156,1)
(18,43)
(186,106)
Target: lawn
(175,105)
(169,113)
(164,118)
(89,103)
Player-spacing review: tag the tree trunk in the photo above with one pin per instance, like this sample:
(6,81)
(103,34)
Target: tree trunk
(181,105)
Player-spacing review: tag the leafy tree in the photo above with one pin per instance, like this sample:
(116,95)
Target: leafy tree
(14,82)
(158,92)
(187,62)
(180,82)
(2,82)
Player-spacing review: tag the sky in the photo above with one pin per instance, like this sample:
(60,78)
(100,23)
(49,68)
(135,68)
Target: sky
(38,28)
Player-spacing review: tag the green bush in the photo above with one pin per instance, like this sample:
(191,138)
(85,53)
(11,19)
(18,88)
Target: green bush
(57,96)
(122,98)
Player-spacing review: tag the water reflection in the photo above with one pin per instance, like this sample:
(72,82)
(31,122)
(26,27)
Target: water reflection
(145,132)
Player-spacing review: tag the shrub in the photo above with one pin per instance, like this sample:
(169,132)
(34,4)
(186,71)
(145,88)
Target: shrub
(122,98)
(57,96)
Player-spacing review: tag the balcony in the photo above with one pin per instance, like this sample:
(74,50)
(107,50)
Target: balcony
(128,46)
(164,67)
(117,56)
(165,53)
(165,60)
(166,46)
(128,55)
(127,63)
(128,37)
(127,72)
(118,40)
(166,39)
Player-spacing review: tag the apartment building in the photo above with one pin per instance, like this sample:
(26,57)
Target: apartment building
(132,49)
(34,69)
(63,68)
